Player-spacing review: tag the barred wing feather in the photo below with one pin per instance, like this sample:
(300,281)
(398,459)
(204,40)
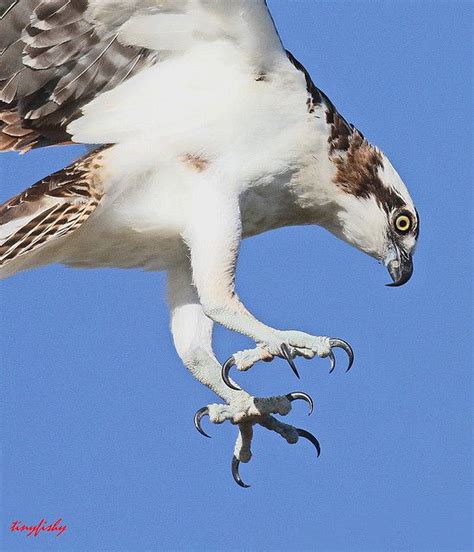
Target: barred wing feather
(58,55)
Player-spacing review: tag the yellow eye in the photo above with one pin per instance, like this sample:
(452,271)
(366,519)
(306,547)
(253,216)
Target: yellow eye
(403,223)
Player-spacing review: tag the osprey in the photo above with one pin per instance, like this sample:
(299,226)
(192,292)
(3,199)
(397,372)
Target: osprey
(205,131)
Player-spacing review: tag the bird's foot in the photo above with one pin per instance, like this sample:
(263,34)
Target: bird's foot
(250,411)
(287,345)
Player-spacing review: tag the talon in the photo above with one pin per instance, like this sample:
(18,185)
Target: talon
(286,353)
(204,411)
(332,358)
(225,373)
(236,474)
(300,395)
(310,437)
(343,345)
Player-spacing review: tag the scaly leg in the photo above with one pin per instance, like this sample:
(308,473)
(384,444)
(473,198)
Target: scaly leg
(192,334)
(213,236)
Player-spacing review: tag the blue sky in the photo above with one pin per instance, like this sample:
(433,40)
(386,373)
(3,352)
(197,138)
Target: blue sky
(97,408)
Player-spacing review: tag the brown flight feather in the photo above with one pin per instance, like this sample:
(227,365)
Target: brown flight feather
(53,61)
(51,208)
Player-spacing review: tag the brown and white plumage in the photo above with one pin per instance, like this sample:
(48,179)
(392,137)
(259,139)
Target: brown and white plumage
(57,55)
(211,133)
(53,61)
(50,209)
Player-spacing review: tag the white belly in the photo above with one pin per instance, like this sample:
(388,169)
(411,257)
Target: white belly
(140,224)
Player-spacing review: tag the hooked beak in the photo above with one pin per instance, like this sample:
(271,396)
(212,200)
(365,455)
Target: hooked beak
(400,266)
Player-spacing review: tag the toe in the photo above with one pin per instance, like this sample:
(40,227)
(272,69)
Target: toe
(242,449)
(322,346)
(219,413)
(305,353)
(244,360)
(273,405)
(288,432)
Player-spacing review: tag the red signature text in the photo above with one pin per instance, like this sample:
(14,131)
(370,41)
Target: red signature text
(41,527)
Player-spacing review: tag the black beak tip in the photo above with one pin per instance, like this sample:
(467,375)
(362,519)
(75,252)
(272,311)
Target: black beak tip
(394,284)
(400,271)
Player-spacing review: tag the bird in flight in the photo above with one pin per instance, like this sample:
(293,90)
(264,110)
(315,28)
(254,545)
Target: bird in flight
(202,130)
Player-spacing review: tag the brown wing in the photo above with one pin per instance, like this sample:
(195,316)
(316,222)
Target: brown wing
(52,62)
(58,55)
(52,208)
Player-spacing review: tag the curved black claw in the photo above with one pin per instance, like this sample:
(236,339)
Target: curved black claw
(305,397)
(236,474)
(204,411)
(334,343)
(225,373)
(332,358)
(286,354)
(310,437)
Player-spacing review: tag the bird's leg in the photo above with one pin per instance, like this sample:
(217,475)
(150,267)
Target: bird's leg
(213,236)
(192,333)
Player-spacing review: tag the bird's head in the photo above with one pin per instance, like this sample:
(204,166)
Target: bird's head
(375,212)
